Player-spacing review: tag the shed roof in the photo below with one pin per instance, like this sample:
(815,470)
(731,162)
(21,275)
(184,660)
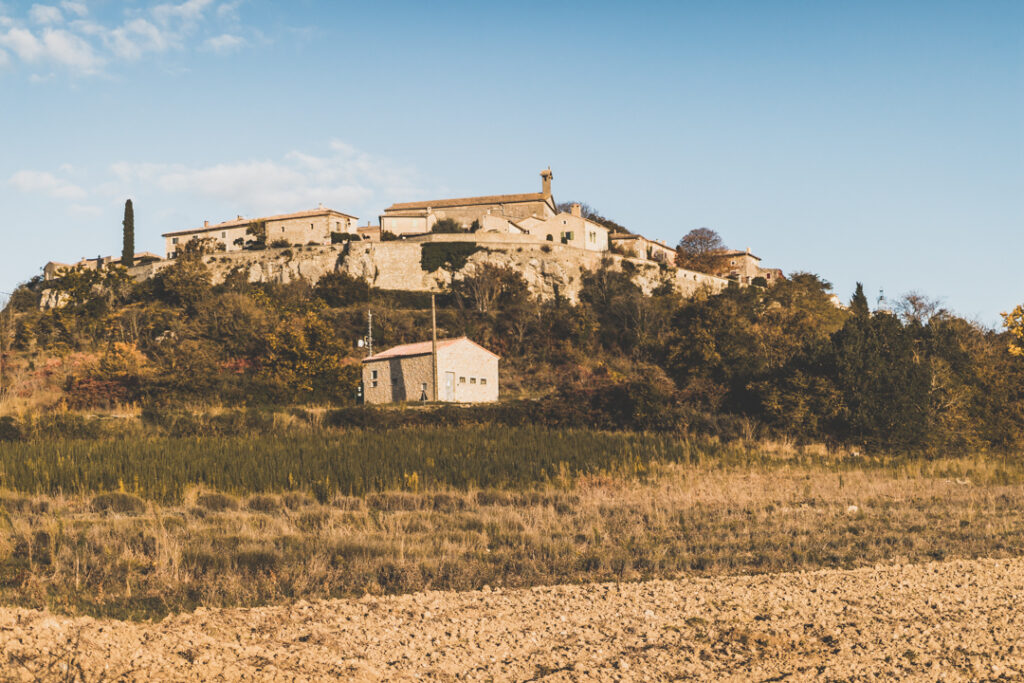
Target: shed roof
(421,349)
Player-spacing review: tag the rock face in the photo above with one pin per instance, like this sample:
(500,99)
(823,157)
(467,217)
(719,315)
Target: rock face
(957,620)
(550,270)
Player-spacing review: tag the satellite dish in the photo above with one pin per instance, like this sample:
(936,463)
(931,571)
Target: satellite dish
(360,343)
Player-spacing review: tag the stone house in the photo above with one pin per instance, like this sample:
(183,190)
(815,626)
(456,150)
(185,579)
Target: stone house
(569,228)
(301,228)
(416,218)
(639,246)
(744,267)
(466,373)
(55,269)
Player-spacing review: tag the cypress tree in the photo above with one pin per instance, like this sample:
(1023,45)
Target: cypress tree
(128,250)
(859,302)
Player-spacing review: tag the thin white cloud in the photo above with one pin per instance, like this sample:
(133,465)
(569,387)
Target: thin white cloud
(341,177)
(45,14)
(22,43)
(338,176)
(70,50)
(85,45)
(229,10)
(76,8)
(225,43)
(189,11)
(137,37)
(56,45)
(47,183)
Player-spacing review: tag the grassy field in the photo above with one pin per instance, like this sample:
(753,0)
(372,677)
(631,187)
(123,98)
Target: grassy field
(141,529)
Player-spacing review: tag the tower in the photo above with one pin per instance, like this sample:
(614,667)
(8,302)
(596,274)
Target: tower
(546,175)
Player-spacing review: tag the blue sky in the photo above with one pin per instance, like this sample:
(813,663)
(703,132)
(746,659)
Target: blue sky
(872,141)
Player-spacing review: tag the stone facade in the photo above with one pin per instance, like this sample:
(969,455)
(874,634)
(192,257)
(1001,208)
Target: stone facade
(302,228)
(744,267)
(466,373)
(415,218)
(55,269)
(638,246)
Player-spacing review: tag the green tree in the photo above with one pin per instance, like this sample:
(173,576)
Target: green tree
(448,225)
(700,250)
(128,235)
(859,303)
(1014,321)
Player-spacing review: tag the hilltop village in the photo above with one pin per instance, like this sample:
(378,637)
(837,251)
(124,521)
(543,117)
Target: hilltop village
(426,245)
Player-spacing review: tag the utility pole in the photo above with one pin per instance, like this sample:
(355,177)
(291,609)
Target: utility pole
(433,344)
(369,333)
(5,321)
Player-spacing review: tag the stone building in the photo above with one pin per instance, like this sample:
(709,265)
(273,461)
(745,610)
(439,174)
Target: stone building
(301,228)
(744,267)
(639,246)
(416,218)
(569,228)
(466,373)
(55,269)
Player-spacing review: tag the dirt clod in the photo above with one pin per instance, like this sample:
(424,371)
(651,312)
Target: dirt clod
(956,620)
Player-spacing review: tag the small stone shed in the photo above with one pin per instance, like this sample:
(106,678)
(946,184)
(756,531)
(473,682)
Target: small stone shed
(466,373)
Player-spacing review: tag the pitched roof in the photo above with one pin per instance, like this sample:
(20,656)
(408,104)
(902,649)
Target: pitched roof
(738,252)
(238,222)
(420,349)
(470,201)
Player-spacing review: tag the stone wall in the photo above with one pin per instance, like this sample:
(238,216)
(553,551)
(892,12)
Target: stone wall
(550,270)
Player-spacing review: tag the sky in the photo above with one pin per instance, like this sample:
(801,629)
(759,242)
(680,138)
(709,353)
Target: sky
(880,142)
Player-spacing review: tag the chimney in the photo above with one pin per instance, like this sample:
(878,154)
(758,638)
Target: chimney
(239,217)
(546,175)
(320,205)
(206,224)
(748,250)
(577,210)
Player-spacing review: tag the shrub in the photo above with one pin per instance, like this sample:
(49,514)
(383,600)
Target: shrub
(264,503)
(118,502)
(280,244)
(10,430)
(450,255)
(216,502)
(448,226)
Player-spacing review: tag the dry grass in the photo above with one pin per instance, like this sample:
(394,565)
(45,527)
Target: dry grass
(120,556)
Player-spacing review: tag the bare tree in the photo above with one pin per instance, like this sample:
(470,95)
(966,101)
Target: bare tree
(914,307)
(700,250)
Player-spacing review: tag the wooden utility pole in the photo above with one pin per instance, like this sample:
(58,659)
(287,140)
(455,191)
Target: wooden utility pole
(433,343)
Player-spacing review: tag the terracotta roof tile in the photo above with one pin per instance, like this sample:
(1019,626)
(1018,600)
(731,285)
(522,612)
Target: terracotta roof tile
(246,221)
(468,201)
(418,349)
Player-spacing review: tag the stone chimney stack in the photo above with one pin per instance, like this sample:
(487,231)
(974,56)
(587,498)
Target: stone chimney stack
(546,175)
(320,205)
(577,210)
(206,224)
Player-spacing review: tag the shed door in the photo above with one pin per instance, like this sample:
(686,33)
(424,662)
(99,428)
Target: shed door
(449,386)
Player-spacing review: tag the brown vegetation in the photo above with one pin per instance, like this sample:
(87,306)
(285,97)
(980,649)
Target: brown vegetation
(117,555)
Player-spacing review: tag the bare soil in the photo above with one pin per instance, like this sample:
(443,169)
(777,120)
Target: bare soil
(958,620)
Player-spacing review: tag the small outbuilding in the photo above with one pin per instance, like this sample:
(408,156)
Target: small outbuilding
(466,373)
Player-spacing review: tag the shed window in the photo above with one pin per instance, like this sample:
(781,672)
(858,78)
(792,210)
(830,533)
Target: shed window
(373,374)
(483,380)
(174,240)
(462,380)
(472,380)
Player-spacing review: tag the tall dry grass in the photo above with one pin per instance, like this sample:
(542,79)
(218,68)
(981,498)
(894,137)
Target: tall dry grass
(119,555)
